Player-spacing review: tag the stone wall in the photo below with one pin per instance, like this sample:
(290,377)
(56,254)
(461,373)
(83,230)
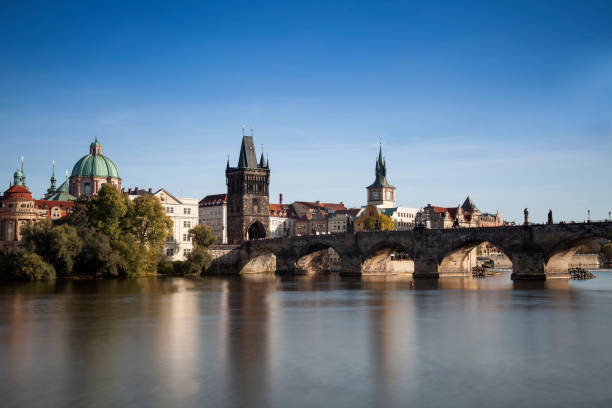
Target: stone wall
(226,259)
(592,261)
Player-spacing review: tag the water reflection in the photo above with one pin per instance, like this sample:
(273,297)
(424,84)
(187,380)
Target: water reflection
(305,341)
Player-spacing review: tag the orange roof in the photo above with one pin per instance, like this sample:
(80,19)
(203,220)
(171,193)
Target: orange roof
(213,199)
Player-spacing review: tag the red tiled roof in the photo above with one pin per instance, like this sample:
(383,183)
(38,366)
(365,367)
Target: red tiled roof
(333,206)
(51,204)
(213,199)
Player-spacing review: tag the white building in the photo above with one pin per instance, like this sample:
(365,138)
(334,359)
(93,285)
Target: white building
(184,215)
(282,220)
(403,217)
(212,211)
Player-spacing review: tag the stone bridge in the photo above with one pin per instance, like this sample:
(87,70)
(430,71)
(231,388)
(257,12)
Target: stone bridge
(536,251)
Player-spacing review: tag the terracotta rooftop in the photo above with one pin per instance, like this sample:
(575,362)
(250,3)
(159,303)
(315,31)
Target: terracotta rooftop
(213,199)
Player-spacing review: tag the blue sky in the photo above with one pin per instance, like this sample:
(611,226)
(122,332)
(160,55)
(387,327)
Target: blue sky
(508,102)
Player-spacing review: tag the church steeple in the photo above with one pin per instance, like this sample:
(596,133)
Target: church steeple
(52,189)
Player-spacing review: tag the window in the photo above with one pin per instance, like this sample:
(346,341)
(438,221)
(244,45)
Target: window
(169,252)
(186,251)
(388,195)
(187,224)
(375,195)
(186,238)
(170,239)
(87,188)
(186,210)
(170,210)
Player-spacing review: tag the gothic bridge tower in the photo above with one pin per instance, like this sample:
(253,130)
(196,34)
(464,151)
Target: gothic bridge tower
(248,203)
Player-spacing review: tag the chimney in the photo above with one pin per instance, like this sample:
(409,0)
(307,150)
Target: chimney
(130,191)
(123,190)
(280,198)
(135,190)
(150,190)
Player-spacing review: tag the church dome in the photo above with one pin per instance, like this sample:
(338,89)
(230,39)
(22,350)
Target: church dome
(95,164)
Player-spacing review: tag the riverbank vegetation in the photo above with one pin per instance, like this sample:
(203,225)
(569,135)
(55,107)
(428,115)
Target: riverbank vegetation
(107,235)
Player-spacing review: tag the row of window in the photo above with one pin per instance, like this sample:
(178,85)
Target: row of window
(170,251)
(186,210)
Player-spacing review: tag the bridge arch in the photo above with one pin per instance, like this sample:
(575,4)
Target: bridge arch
(256,231)
(319,257)
(388,257)
(559,257)
(459,259)
(261,262)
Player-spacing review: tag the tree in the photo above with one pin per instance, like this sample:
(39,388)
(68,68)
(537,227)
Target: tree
(28,265)
(97,256)
(107,210)
(202,236)
(379,223)
(133,257)
(147,220)
(57,245)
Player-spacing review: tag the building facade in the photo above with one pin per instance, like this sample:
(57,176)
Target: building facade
(282,220)
(184,215)
(17,210)
(212,211)
(466,215)
(248,203)
(92,171)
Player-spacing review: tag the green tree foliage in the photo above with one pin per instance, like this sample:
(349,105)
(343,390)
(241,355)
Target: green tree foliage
(28,265)
(133,257)
(107,211)
(97,256)
(147,221)
(106,235)
(379,223)
(57,245)
(202,236)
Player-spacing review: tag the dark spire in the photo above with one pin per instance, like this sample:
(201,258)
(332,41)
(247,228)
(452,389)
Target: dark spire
(227,166)
(262,162)
(52,188)
(247,156)
(381,172)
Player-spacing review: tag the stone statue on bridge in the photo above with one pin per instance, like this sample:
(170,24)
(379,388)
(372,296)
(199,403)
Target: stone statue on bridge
(526,212)
(550,220)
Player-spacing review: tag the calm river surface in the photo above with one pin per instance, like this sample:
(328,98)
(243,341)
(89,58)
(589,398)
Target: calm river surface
(299,342)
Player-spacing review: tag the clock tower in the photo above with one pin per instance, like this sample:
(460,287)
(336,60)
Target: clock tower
(381,193)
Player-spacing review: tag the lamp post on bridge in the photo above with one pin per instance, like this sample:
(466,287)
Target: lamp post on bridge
(588,215)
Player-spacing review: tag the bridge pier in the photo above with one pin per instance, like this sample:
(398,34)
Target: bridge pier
(350,264)
(425,268)
(528,266)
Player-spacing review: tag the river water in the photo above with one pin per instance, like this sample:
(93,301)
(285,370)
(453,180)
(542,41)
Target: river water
(304,342)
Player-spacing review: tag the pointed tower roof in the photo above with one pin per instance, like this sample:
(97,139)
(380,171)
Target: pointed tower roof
(468,205)
(262,162)
(381,172)
(247,156)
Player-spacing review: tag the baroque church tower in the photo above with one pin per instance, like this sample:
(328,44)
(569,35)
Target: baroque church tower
(381,193)
(248,203)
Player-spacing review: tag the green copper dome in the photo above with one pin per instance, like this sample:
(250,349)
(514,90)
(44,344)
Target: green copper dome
(95,164)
